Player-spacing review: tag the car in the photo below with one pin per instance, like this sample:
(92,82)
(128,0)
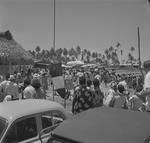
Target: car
(21,121)
(104,125)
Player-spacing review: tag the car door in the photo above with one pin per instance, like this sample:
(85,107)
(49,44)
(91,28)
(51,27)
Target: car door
(49,121)
(24,130)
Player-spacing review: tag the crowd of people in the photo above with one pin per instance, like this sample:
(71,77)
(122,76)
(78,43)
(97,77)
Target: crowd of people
(123,91)
(86,88)
(24,85)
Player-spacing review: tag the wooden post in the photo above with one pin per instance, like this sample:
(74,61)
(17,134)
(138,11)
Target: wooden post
(139,52)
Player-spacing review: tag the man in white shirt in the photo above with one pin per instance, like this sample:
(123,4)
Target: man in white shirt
(2,87)
(147,80)
(145,94)
(29,91)
(111,94)
(12,88)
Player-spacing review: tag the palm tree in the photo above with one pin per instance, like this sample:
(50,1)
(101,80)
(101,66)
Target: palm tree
(78,50)
(108,55)
(84,54)
(72,52)
(58,54)
(118,45)
(115,59)
(121,53)
(132,49)
(111,49)
(130,58)
(52,53)
(37,49)
(89,53)
(32,53)
(65,53)
(43,54)
(94,55)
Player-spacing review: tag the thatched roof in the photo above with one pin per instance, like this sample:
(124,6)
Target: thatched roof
(9,47)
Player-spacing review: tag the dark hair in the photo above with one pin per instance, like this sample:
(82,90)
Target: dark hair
(27,82)
(96,82)
(146,64)
(82,80)
(7,76)
(89,82)
(35,83)
(121,88)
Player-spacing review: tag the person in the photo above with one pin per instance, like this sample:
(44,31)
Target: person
(29,91)
(39,92)
(2,87)
(7,98)
(136,104)
(44,82)
(89,84)
(12,88)
(145,93)
(111,95)
(98,95)
(124,83)
(120,101)
(83,97)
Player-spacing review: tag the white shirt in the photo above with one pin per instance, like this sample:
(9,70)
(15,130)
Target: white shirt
(12,89)
(110,96)
(29,92)
(147,81)
(3,85)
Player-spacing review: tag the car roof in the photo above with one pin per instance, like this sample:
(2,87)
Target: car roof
(12,110)
(106,125)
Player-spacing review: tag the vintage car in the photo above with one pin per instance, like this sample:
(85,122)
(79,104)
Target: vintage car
(104,125)
(21,121)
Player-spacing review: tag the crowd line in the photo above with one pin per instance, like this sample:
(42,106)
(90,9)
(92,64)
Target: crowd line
(130,92)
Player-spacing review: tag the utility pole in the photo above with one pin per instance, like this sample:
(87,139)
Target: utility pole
(54,92)
(139,48)
(54,27)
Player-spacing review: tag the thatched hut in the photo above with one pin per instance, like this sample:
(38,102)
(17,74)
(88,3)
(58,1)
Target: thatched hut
(12,52)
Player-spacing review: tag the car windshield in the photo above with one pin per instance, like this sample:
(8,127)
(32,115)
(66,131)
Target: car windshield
(3,126)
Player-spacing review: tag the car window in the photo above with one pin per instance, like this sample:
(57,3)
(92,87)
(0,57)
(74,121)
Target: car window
(11,136)
(3,126)
(50,120)
(22,130)
(26,129)
(57,117)
(46,120)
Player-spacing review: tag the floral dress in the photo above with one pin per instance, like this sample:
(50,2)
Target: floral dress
(83,100)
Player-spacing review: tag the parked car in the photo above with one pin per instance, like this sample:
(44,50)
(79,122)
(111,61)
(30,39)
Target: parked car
(104,125)
(23,120)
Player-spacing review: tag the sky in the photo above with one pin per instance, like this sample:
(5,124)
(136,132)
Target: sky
(92,24)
